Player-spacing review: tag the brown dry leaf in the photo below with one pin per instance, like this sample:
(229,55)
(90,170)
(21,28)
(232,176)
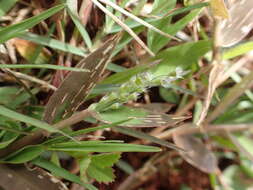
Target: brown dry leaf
(28,49)
(15,177)
(77,85)
(196,153)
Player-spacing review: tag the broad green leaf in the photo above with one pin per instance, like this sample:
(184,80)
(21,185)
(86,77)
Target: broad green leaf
(11,31)
(101,174)
(61,172)
(84,164)
(42,66)
(24,155)
(5,6)
(105,160)
(100,167)
(100,146)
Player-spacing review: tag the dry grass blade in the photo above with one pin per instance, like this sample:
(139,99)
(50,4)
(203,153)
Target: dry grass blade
(137,19)
(77,85)
(124,26)
(214,81)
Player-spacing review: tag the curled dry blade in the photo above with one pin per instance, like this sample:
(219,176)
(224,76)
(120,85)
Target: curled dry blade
(239,24)
(77,85)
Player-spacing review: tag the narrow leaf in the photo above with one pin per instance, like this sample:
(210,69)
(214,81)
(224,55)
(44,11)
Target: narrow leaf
(11,31)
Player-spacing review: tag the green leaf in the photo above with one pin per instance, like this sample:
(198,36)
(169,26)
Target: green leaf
(157,42)
(22,98)
(7,138)
(82,132)
(238,50)
(7,94)
(42,66)
(125,75)
(26,119)
(5,6)
(163,6)
(84,164)
(11,31)
(80,28)
(134,24)
(144,136)
(61,172)
(105,160)
(139,117)
(182,55)
(101,174)
(234,177)
(52,43)
(24,155)
(101,146)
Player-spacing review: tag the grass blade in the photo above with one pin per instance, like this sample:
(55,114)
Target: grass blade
(42,66)
(11,31)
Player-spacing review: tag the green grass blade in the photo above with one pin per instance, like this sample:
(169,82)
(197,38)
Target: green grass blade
(101,146)
(24,155)
(52,43)
(42,66)
(26,119)
(79,26)
(11,31)
(238,50)
(61,172)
